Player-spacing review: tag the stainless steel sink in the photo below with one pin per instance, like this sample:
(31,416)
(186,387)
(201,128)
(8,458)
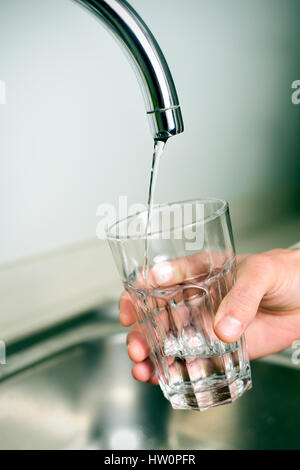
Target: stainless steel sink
(71,388)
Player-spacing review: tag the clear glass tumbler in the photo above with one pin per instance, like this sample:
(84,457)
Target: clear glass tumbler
(177,276)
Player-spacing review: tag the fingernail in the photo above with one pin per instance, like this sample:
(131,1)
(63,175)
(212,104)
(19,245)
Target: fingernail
(229,327)
(166,273)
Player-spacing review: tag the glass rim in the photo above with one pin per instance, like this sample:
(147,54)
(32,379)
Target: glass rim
(217,213)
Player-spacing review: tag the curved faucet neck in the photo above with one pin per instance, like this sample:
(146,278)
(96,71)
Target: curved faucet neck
(153,73)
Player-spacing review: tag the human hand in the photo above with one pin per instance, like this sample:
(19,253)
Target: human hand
(264,303)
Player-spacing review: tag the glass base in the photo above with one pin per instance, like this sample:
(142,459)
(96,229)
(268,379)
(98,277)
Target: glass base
(220,394)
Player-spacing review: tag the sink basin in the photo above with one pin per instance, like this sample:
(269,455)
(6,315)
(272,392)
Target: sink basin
(71,388)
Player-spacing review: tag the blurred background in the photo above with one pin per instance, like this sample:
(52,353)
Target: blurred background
(74,134)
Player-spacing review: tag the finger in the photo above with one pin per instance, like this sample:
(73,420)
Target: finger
(143,371)
(137,347)
(174,271)
(167,273)
(127,311)
(255,276)
(153,380)
(188,267)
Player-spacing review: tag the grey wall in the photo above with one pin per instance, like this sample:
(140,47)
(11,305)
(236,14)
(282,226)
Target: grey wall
(74,133)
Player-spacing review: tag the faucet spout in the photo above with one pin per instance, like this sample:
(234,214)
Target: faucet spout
(160,96)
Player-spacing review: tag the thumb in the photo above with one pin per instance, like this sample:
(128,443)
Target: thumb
(255,277)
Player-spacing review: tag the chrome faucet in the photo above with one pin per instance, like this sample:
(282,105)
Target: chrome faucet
(154,76)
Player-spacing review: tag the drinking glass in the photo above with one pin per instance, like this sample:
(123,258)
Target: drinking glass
(177,270)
